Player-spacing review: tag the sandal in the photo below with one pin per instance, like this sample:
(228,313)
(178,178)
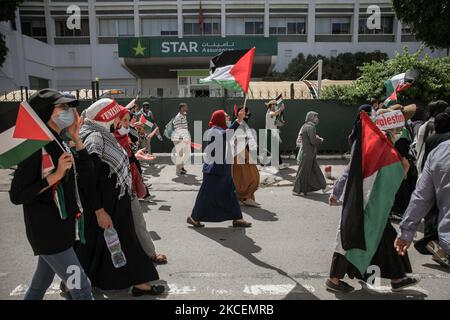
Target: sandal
(241,224)
(197,224)
(159,258)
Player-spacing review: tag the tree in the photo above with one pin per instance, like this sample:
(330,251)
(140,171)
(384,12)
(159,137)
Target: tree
(342,67)
(7,13)
(429,20)
(433,83)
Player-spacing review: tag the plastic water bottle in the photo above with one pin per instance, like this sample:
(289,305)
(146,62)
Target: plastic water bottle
(113,243)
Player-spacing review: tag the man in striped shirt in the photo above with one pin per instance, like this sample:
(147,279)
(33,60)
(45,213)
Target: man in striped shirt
(181,139)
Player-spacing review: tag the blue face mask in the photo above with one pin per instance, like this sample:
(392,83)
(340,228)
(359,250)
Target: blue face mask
(64,119)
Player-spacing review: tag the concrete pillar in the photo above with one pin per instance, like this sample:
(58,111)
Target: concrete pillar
(137,21)
(311,23)
(223,19)
(180,18)
(266,18)
(355,22)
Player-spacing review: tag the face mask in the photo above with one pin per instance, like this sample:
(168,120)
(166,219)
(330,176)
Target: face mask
(64,119)
(228,122)
(123,131)
(316,120)
(397,136)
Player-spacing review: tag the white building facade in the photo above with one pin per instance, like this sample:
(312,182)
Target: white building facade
(44,52)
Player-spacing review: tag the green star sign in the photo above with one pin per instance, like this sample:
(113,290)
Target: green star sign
(139,50)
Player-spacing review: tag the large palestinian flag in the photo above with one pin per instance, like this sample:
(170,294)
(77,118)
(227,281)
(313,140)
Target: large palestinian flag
(22,133)
(232,69)
(374,178)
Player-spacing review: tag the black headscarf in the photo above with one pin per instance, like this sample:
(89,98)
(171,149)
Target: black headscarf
(367,108)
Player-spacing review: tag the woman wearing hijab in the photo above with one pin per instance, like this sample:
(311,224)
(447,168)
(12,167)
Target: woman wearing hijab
(392,266)
(309,176)
(245,172)
(216,200)
(139,189)
(113,185)
(45,185)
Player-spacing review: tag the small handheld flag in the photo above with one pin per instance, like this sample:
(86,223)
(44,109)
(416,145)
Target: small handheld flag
(22,133)
(232,69)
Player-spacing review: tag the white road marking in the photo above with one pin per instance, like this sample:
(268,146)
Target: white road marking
(271,289)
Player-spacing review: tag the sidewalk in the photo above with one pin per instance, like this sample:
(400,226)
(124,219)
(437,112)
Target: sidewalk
(161,174)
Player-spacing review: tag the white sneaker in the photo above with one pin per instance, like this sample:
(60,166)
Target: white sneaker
(252,203)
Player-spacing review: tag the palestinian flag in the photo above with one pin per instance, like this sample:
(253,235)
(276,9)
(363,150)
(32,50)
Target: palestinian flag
(374,178)
(232,69)
(399,83)
(22,133)
(147,124)
(279,99)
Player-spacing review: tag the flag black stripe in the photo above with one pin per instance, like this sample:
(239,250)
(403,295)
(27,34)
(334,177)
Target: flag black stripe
(352,221)
(8,115)
(227,58)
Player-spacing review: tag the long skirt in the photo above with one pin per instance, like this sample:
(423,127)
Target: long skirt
(309,175)
(392,265)
(95,257)
(246,179)
(216,200)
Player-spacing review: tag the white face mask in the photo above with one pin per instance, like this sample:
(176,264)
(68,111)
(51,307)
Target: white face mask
(397,136)
(228,122)
(123,131)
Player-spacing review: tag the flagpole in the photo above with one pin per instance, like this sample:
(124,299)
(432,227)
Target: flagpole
(245,99)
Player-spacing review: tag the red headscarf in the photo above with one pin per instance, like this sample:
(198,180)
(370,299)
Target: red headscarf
(125,140)
(218,118)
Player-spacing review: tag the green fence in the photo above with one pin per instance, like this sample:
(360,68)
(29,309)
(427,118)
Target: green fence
(336,118)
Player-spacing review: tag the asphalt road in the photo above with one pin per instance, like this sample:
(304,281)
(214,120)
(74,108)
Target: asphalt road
(285,255)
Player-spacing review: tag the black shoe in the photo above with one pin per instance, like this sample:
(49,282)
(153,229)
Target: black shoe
(183,170)
(155,290)
(343,287)
(404,283)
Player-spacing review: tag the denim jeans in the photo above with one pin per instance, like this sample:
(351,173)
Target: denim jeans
(66,265)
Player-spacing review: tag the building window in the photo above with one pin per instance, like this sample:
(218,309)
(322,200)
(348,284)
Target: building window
(245,25)
(37,83)
(159,27)
(34,27)
(210,26)
(62,30)
(160,92)
(386,26)
(254,27)
(406,29)
(116,27)
(282,26)
(333,25)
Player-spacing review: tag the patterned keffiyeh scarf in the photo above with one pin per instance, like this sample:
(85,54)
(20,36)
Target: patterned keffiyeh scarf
(100,141)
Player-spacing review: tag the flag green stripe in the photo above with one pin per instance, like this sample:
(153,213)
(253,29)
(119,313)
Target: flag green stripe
(229,84)
(19,153)
(389,87)
(376,214)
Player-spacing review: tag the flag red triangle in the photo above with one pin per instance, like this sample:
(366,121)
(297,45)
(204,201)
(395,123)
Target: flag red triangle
(377,151)
(242,70)
(28,128)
